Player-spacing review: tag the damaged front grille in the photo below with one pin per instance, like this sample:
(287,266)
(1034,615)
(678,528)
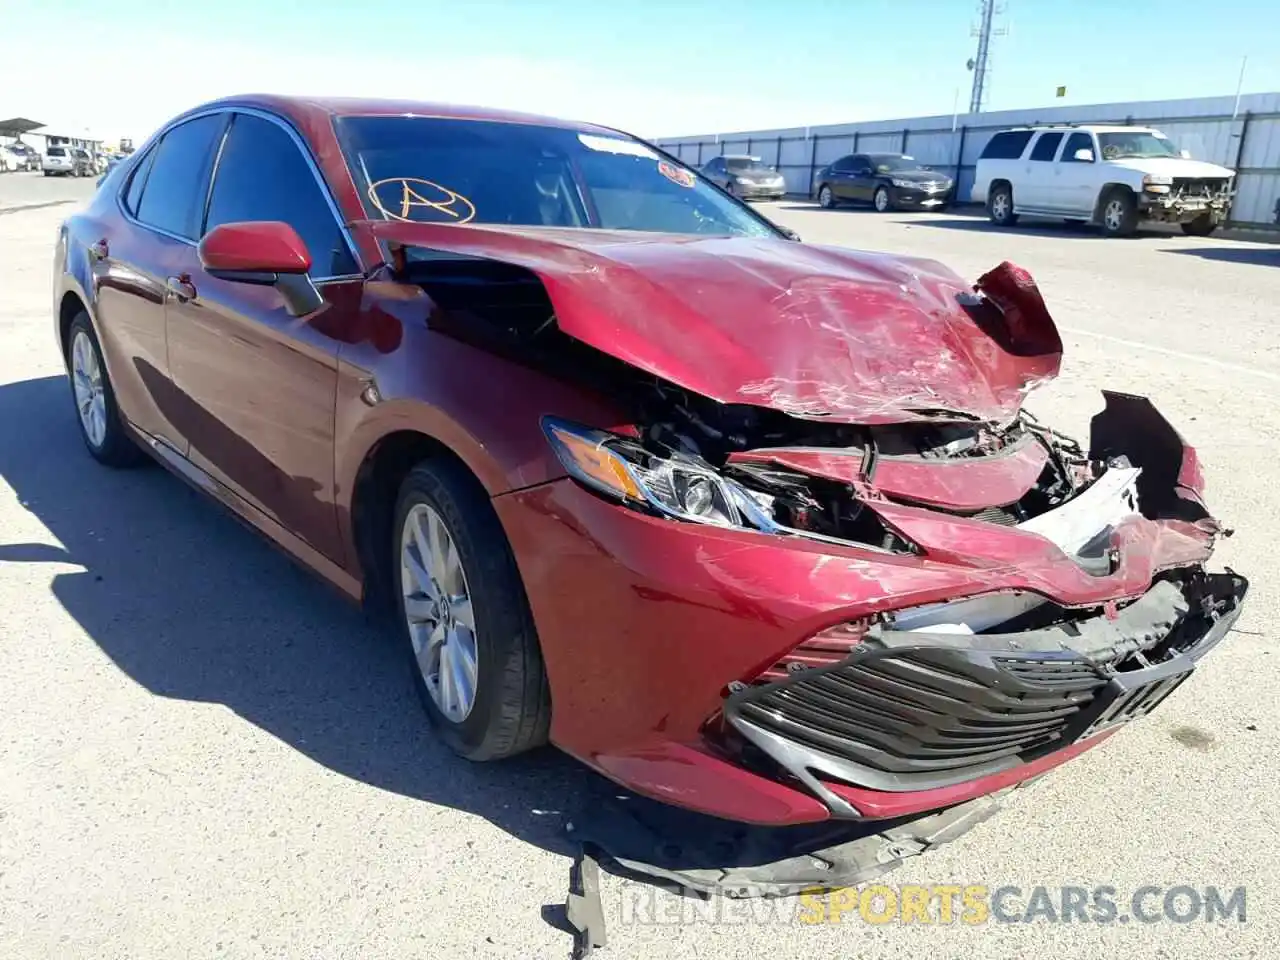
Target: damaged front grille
(920,709)
(925,710)
(1199,186)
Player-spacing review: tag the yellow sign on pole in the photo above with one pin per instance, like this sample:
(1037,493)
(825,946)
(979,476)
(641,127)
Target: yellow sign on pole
(1062,91)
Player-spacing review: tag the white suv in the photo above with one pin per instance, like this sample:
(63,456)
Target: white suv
(1113,176)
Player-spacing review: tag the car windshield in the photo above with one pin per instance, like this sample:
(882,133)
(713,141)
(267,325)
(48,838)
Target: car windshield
(1117,146)
(444,170)
(739,164)
(891,164)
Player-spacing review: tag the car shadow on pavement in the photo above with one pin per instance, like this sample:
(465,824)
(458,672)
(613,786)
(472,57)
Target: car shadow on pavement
(192,606)
(1068,229)
(1253,256)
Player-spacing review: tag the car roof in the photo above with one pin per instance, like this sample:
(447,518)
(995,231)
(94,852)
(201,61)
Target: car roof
(1088,128)
(309,110)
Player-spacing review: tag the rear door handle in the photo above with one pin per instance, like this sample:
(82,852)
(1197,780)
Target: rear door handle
(180,288)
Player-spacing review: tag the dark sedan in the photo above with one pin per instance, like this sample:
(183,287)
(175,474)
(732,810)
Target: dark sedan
(745,177)
(888,181)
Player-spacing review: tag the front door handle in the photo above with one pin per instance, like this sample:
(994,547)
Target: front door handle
(180,288)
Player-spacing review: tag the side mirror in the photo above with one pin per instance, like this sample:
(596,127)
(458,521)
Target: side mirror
(1185,154)
(265,253)
(1084,155)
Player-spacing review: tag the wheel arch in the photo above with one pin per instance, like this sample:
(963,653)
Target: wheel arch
(70,306)
(1105,191)
(375,486)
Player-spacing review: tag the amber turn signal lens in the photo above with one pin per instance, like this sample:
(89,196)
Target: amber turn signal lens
(592,462)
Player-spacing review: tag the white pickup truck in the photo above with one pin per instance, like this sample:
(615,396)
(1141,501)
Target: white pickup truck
(1115,176)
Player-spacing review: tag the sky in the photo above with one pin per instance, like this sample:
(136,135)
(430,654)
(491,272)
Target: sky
(654,67)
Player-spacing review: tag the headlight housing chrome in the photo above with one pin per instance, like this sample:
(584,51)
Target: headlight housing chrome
(675,486)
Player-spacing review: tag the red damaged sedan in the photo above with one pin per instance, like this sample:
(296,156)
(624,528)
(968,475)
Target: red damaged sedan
(752,526)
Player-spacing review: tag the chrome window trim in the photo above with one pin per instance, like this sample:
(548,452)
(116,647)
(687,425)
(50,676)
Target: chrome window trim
(297,141)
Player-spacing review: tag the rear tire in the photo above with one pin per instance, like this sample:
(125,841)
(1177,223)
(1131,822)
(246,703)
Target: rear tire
(1201,226)
(1000,206)
(1119,214)
(510,707)
(826,199)
(101,427)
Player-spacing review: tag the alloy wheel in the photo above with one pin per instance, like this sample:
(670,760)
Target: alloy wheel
(1000,206)
(882,200)
(437,607)
(1113,215)
(824,197)
(91,402)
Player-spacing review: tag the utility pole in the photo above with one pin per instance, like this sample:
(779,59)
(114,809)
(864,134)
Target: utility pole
(985,29)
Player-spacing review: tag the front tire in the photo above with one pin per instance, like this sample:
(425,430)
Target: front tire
(1000,206)
(1119,214)
(1201,226)
(883,202)
(101,426)
(826,199)
(465,619)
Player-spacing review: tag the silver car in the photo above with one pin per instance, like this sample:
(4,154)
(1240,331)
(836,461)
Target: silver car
(746,177)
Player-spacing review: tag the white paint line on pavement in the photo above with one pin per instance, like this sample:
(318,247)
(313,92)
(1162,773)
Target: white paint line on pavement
(1189,357)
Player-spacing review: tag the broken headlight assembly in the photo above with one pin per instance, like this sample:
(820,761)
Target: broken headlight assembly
(675,485)
(682,487)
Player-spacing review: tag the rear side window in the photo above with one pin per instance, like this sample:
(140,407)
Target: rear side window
(262,175)
(173,196)
(137,181)
(1046,147)
(1077,141)
(1006,146)
(844,164)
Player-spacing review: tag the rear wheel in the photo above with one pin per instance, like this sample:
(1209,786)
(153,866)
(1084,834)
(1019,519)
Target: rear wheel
(465,620)
(1201,226)
(1119,214)
(826,199)
(882,200)
(101,426)
(1000,206)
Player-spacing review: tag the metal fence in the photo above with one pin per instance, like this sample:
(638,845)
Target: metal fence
(1244,136)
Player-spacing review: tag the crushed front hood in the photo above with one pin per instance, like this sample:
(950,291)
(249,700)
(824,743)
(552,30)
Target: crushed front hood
(813,331)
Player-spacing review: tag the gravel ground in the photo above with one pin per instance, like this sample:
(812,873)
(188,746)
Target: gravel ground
(211,755)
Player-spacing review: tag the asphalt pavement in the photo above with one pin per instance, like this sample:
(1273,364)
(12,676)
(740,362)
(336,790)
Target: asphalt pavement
(210,754)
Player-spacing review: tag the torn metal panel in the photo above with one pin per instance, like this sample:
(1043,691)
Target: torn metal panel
(1101,507)
(813,331)
(961,484)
